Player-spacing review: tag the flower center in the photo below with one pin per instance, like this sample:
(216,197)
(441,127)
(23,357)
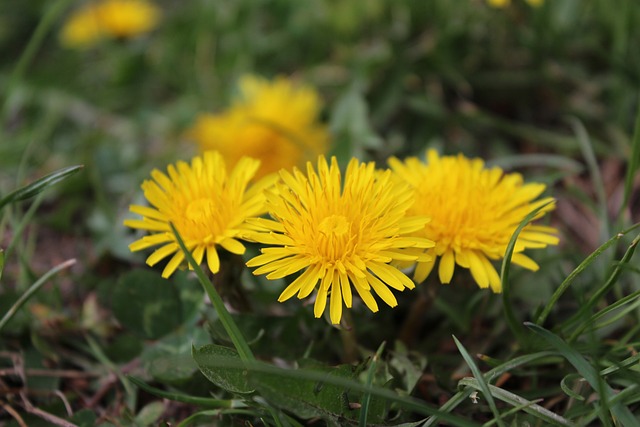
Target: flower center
(201,210)
(334,225)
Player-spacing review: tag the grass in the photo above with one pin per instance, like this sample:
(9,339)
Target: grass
(551,92)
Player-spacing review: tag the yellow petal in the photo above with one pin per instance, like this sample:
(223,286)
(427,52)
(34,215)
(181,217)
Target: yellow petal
(446,267)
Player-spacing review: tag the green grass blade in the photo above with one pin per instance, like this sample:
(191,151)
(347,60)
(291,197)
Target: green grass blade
(579,269)
(36,40)
(39,185)
(364,409)
(602,290)
(513,323)
(484,387)
(594,170)
(32,290)
(588,372)
(180,397)
(407,403)
(632,166)
(225,318)
(517,401)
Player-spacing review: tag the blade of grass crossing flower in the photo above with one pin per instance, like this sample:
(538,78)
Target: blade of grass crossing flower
(596,177)
(256,369)
(32,290)
(225,318)
(514,324)
(366,399)
(579,269)
(621,412)
(632,166)
(484,387)
(39,185)
(180,397)
(602,290)
(515,400)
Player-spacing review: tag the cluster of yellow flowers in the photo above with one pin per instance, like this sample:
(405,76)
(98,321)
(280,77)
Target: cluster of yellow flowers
(336,233)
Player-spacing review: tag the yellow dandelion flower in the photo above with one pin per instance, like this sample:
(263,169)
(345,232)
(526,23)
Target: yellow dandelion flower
(109,18)
(498,4)
(340,236)
(275,122)
(208,206)
(474,212)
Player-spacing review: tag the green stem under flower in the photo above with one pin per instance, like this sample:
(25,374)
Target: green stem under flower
(225,318)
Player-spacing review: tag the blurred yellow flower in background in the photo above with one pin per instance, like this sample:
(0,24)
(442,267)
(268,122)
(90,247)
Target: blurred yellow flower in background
(208,206)
(273,121)
(474,212)
(108,19)
(499,3)
(340,234)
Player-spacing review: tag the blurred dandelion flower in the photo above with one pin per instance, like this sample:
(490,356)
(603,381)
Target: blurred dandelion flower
(499,3)
(108,18)
(275,122)
(535,3)
(474,212)
(340,236)
(207,205)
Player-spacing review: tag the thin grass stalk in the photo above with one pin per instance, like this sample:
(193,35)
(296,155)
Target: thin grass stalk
(602,290)
(36,40)
(366,399)
(515,400)
(632,166)
(593,377)
(484,387)
(579,269)
(513,323)
(227,321)
(32,291)
(596,177)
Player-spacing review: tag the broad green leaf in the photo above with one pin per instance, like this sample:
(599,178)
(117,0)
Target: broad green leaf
(147,304)
(233,380)
(169,359)
(39,185)
(272,381)
(149,414)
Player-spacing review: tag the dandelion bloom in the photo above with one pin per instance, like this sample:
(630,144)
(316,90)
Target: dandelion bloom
(474,212)
(109,18)
(339,236)
(276,122)
(207,205)
(499,3)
